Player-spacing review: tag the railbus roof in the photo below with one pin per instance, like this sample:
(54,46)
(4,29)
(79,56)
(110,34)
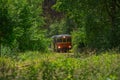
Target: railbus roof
(61,35)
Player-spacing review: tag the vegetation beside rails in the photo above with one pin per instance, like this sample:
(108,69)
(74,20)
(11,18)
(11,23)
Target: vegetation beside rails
(54,66)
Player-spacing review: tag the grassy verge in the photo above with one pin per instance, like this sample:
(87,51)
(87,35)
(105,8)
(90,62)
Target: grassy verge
(54,66)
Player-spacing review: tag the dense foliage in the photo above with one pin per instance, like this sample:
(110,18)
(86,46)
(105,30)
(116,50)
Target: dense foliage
(20,25)
(36,66)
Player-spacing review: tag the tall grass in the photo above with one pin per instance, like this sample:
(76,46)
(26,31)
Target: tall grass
(54,66)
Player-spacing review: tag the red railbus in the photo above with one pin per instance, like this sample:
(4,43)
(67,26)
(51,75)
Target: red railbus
(61,43)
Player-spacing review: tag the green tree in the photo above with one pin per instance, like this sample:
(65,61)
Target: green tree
(20,25)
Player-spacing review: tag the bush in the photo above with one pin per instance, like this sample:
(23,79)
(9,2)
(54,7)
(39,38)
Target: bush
(60,67)
(92,68)
(7,69)
(7,50)
(79,40)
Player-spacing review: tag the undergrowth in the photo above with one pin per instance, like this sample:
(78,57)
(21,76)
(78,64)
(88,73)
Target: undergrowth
(55,66)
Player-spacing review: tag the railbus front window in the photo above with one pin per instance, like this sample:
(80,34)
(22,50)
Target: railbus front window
(59,40)
(64,40)
(68,39)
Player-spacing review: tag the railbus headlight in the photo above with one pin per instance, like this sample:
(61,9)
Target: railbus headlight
(59,47)
(69,46)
